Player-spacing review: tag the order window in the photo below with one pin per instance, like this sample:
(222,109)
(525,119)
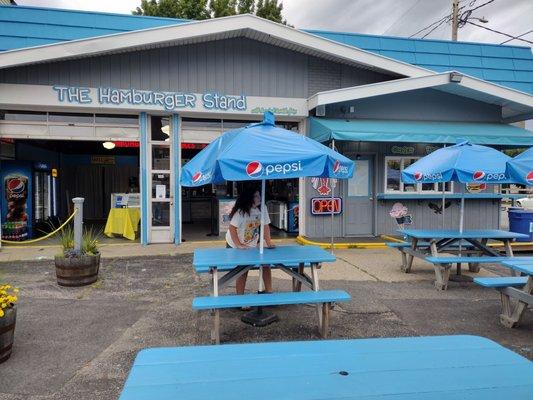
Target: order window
(393,182)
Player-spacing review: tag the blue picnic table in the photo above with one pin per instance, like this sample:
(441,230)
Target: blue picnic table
(470,247)
(521,293)
(410,368)
(293,260)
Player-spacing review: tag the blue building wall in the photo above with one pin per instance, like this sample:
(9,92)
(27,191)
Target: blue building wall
(510,66)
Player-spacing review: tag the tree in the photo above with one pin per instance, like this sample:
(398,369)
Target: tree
(222,8)
(200,9)
(186,9)
(270,9)
(246,7)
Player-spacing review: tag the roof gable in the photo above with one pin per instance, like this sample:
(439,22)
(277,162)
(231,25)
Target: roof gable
(245,25)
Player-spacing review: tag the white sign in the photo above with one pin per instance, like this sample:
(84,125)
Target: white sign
(132,99)
(160,191)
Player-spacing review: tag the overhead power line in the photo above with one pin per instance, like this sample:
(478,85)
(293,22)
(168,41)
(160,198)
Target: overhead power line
(401,16)
(519,36)
(499,32)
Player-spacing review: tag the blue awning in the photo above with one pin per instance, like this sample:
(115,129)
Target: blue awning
(371,130)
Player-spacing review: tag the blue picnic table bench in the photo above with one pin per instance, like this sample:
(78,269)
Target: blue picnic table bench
(293,260)
(516,291)
(445,247)
(408,368)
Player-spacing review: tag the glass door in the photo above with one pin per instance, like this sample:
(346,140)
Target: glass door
(161,182)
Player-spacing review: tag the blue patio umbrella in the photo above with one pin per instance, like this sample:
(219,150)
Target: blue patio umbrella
(465,163)
(264,151)
(520,168)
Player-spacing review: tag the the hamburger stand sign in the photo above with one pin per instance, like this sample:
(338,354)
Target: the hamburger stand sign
(175,101)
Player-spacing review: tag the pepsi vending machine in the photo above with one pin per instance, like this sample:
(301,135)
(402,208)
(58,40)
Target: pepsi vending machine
(16,200)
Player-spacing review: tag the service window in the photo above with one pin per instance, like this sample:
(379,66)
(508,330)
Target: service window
(393,182)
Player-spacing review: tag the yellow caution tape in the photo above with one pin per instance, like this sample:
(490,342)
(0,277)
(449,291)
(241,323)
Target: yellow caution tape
(41,238)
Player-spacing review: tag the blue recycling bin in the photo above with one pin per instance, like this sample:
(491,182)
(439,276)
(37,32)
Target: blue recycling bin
(521,221)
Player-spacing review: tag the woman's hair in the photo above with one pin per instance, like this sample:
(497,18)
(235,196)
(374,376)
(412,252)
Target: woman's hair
(244,202)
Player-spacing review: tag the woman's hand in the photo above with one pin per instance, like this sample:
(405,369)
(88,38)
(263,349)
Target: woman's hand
(271,245)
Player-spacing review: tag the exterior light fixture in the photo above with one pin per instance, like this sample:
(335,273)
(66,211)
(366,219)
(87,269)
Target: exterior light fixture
(455,77)
(109,145)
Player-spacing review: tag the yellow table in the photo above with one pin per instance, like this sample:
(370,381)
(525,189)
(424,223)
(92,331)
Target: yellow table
(123,221)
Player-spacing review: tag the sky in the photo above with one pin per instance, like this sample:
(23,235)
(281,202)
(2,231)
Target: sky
(381,17)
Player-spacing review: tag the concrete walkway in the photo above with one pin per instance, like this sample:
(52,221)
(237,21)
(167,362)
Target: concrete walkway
(79,343)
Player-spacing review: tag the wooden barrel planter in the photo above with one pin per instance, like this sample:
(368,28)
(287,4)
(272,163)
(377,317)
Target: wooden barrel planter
(7,333)
(77,271)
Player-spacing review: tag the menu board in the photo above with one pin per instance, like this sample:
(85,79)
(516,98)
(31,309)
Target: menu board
(224,209)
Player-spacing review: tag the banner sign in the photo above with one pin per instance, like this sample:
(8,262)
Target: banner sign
(324,205)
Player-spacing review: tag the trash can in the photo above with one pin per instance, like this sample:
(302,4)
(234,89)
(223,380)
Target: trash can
(521,221)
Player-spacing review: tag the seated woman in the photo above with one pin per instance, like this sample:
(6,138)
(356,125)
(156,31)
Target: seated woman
(243,232)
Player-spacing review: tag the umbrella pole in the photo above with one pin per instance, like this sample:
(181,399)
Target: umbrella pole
(332,200)
(258,317)
(262,234)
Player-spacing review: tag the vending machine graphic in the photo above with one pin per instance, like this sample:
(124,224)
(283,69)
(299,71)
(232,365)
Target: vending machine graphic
(16,200)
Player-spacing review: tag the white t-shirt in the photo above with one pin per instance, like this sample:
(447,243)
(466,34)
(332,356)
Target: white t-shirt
(247,227)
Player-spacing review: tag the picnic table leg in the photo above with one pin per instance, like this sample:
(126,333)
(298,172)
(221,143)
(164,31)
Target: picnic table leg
(409,263)
(215,333)
(511,316)
(316,288)
(442,271)
(474,267)
(324,329)
(509,253)
(297,285)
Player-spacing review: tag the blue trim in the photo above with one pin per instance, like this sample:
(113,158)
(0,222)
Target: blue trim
(143,122)
(176,149)
(391,196)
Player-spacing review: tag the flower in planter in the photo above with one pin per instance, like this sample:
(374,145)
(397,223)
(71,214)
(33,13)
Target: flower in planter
(8,297)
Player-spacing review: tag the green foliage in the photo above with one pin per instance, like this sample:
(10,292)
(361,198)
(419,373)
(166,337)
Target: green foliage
(270,9)
(246,7)
(199,9)
(186,9)
(89,241)
(66,237)
(222,8)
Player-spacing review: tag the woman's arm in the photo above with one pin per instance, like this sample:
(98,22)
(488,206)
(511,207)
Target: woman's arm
(235,238)
(268,239)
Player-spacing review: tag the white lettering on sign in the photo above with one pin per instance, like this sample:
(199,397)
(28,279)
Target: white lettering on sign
(166,100)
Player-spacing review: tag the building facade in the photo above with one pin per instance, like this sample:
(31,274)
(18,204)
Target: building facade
(167,91)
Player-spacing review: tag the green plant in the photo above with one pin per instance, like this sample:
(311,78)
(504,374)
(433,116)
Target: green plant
(89,241)
(66,238)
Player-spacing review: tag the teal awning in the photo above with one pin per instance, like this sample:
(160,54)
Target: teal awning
(372,130)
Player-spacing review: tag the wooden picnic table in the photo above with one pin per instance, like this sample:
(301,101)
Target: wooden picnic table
(414,368)
(515,300)
(429,244)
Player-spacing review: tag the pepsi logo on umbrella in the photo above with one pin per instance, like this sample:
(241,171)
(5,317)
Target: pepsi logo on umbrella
(478,175)
(418,175)
(197,177)
(254,169)
(338,168)
(529,177)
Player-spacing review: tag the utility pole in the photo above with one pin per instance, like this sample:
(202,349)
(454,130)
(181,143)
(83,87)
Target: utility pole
(455,19)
